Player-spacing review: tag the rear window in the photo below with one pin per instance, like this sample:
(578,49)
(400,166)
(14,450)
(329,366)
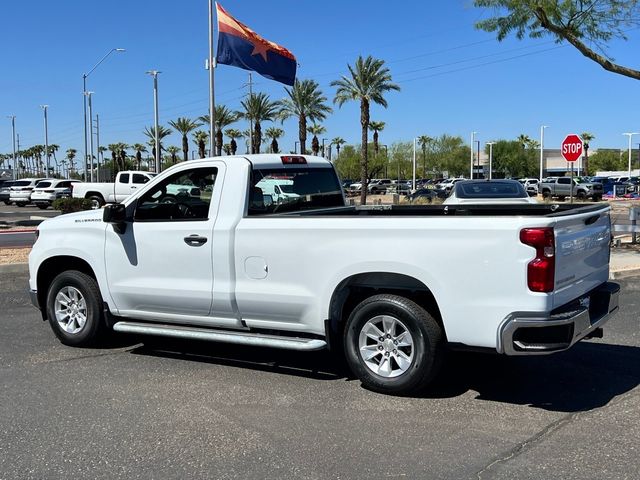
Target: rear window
(43,184)
(490,190)
(124,178)
(301,189)
(22,183)
(138,178)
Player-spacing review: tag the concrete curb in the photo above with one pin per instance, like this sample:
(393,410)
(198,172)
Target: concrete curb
(623,274)
(14,268)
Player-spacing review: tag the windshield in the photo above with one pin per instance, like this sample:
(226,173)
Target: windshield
(307,189)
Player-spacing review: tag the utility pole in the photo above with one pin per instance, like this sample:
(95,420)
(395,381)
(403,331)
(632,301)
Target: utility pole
(13,139)
(98,146)
(211,65)
(413,184)
(154,74)
(630,135)
(46,136)
(89,95)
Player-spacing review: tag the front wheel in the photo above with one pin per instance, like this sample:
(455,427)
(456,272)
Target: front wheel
(74,309)
(20,204)
(43,206)
(393,345)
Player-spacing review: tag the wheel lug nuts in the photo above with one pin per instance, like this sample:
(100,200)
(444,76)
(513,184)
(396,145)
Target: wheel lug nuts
(386,354)
(379,347)
(388,335)
(381,339)
(395,351)
(395,342)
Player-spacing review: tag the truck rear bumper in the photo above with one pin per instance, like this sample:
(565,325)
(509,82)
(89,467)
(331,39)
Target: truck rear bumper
(533,333)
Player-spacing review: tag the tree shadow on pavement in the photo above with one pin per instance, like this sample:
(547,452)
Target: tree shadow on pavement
(588,376)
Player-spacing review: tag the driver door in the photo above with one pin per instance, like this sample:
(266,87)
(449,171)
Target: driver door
(161,267)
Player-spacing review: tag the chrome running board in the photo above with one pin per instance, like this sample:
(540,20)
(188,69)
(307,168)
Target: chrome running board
(225,336)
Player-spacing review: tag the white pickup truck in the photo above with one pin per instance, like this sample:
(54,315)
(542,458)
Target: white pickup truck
(390,286)
(127,182)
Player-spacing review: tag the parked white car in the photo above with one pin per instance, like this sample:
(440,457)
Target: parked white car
(280,189)
(46,191)
(20,192)
(391,287)
(488,192)
(530,185)
(448,183)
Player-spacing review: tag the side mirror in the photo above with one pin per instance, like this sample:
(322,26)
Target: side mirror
(114,213)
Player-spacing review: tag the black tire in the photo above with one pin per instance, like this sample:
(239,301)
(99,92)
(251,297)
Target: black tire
(428,344)
(42,206)
(97,201)
(546,194)
(7,202)
(581,195)
(94,326)
(21,204)
(561,198)
(597,198)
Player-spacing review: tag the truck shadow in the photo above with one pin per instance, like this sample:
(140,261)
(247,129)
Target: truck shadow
(586,377)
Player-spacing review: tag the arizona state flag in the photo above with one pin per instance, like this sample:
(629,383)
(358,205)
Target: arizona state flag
(240,46)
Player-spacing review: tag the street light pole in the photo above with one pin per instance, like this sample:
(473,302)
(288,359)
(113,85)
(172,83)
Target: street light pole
(542,127)
(89,95)
(46,136)
(84,99)
(630,135)
(491,144)
(473,140)
(98,146)
(13,137)
(154,74)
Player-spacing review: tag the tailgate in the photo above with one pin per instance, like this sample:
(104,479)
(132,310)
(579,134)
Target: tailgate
(582,254)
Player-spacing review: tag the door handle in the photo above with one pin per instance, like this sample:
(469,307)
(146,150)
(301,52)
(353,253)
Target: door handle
(133,188)
(195,240)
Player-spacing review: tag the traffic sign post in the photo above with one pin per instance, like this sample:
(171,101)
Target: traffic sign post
(571,149)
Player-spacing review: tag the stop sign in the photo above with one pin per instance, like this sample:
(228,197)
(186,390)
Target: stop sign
(571,147)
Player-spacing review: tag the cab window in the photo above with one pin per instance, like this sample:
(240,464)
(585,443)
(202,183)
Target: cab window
(183,196)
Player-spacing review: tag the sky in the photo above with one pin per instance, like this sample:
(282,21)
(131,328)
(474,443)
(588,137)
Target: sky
(454,78)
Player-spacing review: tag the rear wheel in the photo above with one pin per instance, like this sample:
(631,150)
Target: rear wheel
(42,206)
(96,201)
(597,198)
(581,195)
(546,194)
(20,204)
(74,309)
(393,345)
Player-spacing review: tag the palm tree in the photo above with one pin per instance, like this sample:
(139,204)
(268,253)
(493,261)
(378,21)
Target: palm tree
(70,156)
(184,126)
(232,133)
(316,130)
(376,127)
(338,142)
(51,151)
(586,138)
(139,148)
(369,80)
(306,102)
(224,118)
(200,138)
(523,139)
(274,134)
(424,141)
(258,108)
(151,133)
(173,152)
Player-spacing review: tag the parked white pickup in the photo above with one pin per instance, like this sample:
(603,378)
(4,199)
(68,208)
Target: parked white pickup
(391,286)
(127,182)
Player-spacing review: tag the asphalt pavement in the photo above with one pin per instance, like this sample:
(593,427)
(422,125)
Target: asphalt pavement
(187,410)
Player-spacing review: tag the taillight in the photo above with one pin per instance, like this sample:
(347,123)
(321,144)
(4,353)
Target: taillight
(293,160)
(541,270)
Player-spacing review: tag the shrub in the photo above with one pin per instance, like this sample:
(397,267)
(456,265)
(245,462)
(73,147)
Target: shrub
(70,205)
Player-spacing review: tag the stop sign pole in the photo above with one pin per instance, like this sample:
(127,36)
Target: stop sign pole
(571,150)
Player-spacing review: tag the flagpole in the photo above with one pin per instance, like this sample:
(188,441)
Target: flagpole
(212,104)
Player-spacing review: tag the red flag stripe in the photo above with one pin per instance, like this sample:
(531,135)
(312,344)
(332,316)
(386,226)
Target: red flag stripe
(228,24)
